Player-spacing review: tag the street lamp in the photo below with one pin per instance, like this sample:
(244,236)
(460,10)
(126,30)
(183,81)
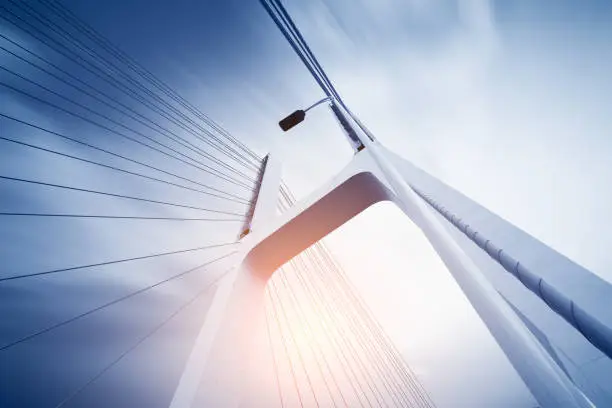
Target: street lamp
(299,115)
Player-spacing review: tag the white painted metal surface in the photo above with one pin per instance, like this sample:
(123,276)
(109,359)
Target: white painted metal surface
(217,363)
(547,382)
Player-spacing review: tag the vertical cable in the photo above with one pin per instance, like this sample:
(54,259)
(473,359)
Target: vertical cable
(274,363)
(315,343)
(294,341)
(284,342)
(331,322)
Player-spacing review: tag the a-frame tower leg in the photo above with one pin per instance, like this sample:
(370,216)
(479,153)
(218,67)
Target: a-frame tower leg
(220,361)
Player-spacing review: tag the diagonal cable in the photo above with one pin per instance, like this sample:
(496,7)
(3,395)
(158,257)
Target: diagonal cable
(292,370)
(108,304)
(381,344)
(120,134)
(109,78)
(313,343)
(104,43)
(85,190)
(137,258)
(209,169)
(114,168)
(138,343)
(274,363)
(108,152)
(152,125)
(331,325)
(410,380)
(114,217)
(294,341)
(359,329)
(346,335)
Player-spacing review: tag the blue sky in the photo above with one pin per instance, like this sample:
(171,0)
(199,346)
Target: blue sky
(487,96)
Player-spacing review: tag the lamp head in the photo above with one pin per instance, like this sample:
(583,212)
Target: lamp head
(292,120)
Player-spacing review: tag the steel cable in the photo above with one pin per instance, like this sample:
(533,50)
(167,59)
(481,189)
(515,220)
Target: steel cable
(281,306)
(276,318)
(115,261)
(332,325)
(62,33)
(123,135)
(210,170)
(100,40)
(314,343)
(138,343)
(114,217)
(103,42)
(234,198)
(114,168)
(86,190)
(164,131)
(108,304)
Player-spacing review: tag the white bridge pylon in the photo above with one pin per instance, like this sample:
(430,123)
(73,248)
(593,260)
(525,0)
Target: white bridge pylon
(221,369)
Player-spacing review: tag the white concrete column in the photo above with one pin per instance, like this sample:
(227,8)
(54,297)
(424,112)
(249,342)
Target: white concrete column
(548,384)
(220,369)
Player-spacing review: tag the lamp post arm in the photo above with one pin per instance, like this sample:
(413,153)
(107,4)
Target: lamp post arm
(329,98)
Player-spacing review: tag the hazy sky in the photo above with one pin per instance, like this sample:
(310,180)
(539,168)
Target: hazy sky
(480,94)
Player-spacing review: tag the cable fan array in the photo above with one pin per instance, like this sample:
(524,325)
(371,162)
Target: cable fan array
(372,368)
(77,106)
(85,126)
(328,349)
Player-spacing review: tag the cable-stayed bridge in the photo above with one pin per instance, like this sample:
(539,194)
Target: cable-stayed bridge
(271,317)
